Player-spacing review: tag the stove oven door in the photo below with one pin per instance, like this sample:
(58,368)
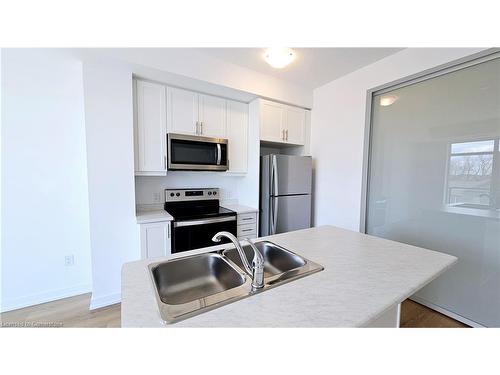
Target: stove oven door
(198,233)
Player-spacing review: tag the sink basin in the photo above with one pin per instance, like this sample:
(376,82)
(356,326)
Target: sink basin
(185,287)
(277,260)
(188,279)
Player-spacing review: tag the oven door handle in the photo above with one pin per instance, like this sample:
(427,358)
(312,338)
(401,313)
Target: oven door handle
(189,223)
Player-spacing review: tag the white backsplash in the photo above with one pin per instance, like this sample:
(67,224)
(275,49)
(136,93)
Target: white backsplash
(149,189)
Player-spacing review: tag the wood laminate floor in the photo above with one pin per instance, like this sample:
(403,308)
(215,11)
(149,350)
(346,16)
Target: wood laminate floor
(415,315)
(67,312)
(74,312)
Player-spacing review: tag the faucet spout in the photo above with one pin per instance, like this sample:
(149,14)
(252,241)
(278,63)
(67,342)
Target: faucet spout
(256,269)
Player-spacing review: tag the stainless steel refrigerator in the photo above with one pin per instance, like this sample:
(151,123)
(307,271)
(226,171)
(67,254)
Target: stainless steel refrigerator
(285,193)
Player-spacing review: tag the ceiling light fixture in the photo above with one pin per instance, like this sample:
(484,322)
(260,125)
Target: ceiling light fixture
(279,57)
(387,100)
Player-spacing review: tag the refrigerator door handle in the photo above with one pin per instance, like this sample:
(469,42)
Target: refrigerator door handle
(274,176)
(271,215)
(274,217)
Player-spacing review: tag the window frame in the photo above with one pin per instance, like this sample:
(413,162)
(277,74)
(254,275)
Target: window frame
(495,153)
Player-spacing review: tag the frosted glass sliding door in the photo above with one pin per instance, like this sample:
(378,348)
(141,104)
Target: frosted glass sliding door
(434,182)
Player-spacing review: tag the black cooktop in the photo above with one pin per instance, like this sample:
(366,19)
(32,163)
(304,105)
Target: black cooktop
(192,210)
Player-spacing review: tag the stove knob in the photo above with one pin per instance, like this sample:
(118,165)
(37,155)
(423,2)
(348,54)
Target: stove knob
(215,193)
(172,194)
(178,194)
(209,193)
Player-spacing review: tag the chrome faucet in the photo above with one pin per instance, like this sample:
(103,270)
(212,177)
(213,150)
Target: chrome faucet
(256,270)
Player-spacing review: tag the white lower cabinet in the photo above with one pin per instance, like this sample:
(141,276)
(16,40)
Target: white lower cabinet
(247,225)
(155,239)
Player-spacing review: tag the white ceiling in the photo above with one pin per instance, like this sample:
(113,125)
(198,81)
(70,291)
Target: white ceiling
(313,67)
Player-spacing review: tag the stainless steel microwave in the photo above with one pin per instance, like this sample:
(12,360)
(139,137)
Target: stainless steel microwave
(195,153)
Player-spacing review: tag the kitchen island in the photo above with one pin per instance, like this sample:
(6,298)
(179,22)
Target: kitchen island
(364,280)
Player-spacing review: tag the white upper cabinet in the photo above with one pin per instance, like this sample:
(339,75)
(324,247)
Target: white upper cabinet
(150,129)
(182,111)
(295,125)
(237,135)
(195,114)
(281,123)
(271,122)
(159,110)
(212,116)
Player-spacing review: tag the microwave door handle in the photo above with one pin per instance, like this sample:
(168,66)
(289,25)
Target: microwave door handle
(219,154)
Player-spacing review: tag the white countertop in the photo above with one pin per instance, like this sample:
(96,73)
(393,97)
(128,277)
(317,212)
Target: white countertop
(144,216)
(363,277)
(153,216)
(239,209)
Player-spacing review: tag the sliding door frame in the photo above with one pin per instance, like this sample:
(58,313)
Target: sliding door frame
(462,63)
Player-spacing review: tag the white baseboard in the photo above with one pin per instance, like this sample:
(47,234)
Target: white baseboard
(103,301)
(451,314)
(49,296)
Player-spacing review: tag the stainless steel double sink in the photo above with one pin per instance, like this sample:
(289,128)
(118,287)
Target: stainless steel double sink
(189,286)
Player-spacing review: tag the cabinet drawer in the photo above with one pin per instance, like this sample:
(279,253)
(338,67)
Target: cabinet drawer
(250,236)
(249,218)
(247,230)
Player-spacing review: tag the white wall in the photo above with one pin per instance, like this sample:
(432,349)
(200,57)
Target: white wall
(109,131)
(338,123)
(44,178)
(190,62)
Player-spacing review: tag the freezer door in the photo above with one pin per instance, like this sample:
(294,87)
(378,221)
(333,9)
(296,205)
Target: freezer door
(289,213)
(290,175)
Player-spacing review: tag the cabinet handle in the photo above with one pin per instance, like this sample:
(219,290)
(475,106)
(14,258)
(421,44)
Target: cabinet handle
(283,134)
(165,161)
(196,131)
(247,218)
(201,128)
(286,135)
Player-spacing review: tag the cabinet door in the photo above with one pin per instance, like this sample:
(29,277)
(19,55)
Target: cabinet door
(155,239)
(182,111)
(212,116)
(237,135)
(295,125)
(150,128)
(271,122)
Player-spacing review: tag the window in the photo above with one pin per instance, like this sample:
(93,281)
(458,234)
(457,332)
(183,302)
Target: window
(471,167)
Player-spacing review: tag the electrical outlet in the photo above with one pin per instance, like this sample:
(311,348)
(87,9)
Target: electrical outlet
(69,260)
(156,197)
